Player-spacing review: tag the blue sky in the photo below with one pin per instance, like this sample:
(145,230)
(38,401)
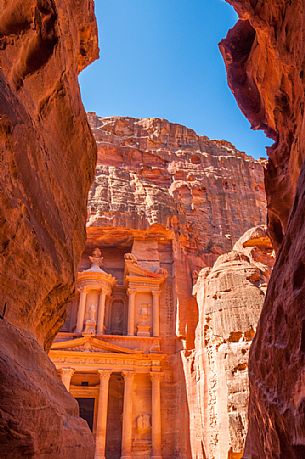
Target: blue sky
(160,58)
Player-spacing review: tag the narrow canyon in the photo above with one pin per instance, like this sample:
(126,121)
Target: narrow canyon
(151,279)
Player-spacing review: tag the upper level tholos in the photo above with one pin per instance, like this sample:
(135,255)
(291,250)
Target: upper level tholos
(117,295)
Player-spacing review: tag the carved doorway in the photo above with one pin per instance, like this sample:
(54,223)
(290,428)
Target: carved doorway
(115,416)
(86,410)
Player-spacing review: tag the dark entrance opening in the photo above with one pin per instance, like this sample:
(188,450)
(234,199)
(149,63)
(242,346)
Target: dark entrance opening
(115,415)
(86,410)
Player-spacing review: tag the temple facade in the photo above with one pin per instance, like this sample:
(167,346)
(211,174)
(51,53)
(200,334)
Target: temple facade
(115,358)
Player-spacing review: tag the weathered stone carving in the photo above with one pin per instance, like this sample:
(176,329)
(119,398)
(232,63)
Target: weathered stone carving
(143,423)
(144,320)
(96,259)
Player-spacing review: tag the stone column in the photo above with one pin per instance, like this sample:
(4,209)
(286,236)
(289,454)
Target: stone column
(101,313)
(156,415)
(156,313)
(66,375)
(131,312)
(102,411)
(81,311)
(127,416)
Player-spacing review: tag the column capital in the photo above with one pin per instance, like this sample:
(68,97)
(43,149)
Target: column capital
(132,291)
(156,292)
(104,374)
(67,371)
(128,375)
(156,375)
(66,376)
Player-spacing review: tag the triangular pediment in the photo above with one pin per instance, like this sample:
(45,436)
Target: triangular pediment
(90,344)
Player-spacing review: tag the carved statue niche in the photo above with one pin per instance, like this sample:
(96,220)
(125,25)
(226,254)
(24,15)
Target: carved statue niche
(142,442)
(117,317)
(90,324)
(92,312)
(143,323)
(143,423)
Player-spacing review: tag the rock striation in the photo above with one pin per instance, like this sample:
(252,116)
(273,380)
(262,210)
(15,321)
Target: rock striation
(270,35)
(267,37)
(230,296)
(181,202)
(152,172)
(47,158)
(156,176)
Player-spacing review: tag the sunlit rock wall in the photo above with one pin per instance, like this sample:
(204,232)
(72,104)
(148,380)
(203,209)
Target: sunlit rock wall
(165,186)
(152,174)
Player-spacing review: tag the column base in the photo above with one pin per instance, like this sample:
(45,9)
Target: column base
(126,457)
(156,457)
(97,456)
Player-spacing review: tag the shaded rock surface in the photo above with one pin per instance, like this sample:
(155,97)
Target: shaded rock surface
(264,54)
(47,156)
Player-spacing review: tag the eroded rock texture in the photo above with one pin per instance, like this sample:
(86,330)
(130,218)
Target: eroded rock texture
(264,54)
(151,172)
(178,200)
(157,176)
(230,296)
(47,159)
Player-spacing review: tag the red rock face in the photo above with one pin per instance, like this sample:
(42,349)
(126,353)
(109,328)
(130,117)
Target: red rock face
(151,172)
(230,296)
(157,176)
(264,56)
(267,78)
(182,200)
(47,164)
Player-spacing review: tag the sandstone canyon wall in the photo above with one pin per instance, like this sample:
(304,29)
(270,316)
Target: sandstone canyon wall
(178,201)
(47,164)
(230,296)
(264,55)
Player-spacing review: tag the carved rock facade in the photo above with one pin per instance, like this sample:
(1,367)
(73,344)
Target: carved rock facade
(165,180)
(47,156)
(165,203)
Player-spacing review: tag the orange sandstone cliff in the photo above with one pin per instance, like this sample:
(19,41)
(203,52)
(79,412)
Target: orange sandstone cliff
(156,176)
(181,202)
(230,296)
(264,55)
(47,164)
